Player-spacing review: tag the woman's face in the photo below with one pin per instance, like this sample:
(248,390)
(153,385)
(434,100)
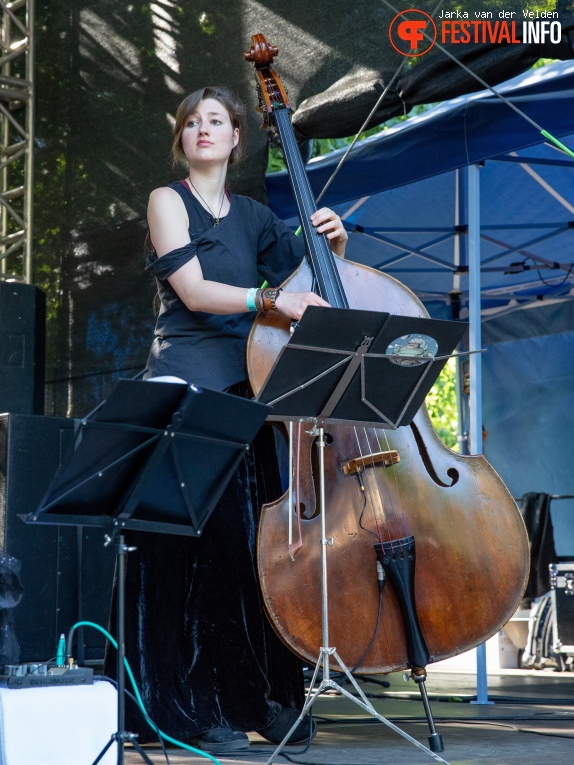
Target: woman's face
(208,136)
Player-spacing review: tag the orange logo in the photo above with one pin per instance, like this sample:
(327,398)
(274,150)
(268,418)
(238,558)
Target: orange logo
(412,33)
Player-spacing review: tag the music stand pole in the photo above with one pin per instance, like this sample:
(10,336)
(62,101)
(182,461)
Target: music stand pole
(121,735)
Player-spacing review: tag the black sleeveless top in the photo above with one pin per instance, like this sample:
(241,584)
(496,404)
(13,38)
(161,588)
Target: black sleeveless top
(249,244)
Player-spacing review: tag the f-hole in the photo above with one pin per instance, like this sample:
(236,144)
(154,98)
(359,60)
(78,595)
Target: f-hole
(315,470)
(452,472)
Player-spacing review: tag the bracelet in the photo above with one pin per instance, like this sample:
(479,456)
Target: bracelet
(269,297)
(250,299)
(259,301)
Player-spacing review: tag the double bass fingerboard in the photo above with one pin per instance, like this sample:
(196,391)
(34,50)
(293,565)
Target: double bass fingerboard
(329,285)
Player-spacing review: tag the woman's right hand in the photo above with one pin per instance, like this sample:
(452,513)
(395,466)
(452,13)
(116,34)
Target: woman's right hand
(293,304)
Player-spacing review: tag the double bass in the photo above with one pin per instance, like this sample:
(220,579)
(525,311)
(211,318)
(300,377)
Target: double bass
(472,553)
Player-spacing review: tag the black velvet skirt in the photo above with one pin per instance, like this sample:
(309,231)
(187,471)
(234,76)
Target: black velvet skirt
(197,635)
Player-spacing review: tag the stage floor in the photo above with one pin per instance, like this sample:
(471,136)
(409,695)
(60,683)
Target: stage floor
(530,723)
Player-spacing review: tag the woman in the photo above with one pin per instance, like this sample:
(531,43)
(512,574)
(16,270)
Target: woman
(209,664)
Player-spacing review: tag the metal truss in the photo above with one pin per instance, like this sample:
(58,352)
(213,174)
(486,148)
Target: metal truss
(16,138)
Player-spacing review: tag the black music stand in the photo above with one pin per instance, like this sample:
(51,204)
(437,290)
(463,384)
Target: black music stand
(350,366)
(363,368)
(152,457)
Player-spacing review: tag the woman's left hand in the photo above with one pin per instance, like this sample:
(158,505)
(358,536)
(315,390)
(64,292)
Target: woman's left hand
(327,222)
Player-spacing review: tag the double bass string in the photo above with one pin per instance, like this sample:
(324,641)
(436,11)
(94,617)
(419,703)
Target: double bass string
(291,150)
(297,171)
(329,278)
(377,484)
(368,495)
(392,522)
(399,493)
(378,479)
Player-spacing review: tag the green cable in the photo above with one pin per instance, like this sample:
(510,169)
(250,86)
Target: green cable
(139,698)
(555,141)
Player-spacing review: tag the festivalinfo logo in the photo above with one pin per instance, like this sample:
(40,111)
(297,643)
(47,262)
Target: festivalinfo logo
(413,32)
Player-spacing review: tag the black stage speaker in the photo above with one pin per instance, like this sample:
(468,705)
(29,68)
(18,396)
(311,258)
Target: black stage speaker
(22,348)
(67,573)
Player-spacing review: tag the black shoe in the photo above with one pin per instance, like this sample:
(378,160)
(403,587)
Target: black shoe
(284,720)
(220,740)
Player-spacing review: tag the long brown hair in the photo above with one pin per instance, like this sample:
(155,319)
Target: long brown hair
(188,106)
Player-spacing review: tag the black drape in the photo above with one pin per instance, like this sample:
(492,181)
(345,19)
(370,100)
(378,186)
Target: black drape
(535,508)
(198,639)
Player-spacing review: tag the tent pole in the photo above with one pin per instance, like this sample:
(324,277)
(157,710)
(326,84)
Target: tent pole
(461,408)
(475,368)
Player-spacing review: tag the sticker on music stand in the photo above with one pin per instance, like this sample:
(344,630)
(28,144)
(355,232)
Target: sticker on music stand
(412,350)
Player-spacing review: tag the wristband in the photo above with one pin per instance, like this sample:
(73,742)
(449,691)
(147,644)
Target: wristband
(250,299)
(270,295)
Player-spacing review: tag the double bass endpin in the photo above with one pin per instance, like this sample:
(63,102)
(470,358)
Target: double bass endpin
(419,675)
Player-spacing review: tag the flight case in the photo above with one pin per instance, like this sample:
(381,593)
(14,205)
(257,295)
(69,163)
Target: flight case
(562,584)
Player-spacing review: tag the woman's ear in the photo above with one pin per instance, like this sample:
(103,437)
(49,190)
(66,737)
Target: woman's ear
(235,139)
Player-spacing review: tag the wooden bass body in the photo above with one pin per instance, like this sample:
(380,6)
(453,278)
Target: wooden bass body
(472,554)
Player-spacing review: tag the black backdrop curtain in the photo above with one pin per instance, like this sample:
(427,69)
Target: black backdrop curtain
(535,509)
(109,77)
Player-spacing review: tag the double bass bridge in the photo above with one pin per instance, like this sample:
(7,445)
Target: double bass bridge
(384,459)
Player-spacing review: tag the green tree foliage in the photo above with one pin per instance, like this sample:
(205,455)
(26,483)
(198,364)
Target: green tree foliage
(441,405)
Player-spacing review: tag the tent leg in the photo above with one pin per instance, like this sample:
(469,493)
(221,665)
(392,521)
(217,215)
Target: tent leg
(461,407)
(481,677)
(475,367)
(474,309)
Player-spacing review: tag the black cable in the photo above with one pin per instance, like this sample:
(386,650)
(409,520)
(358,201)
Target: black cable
(564,280)
(309,742)
(341,678)
(371,114)
(369,679)
(527,700)
(350,721)
(362,485)
(99,678)
(353,721)
(481,722)
(510,727)
(400,696)
(376,632)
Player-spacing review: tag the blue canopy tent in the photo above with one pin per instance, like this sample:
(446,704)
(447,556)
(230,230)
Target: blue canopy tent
(404,194)
(469,200)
